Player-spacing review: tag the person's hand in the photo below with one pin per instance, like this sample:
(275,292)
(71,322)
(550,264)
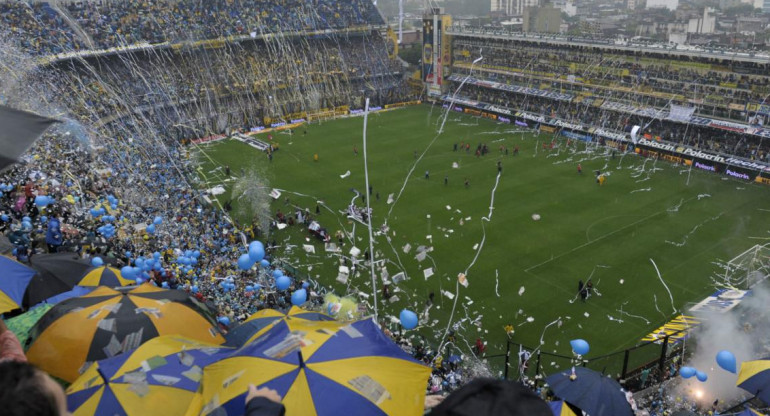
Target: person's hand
(3,328)
(432,401)
(265,392)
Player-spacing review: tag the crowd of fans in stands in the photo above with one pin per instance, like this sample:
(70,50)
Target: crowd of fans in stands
(699,137)
(42,29)
(653,81)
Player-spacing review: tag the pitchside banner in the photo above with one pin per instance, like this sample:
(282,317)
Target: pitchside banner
(731,166)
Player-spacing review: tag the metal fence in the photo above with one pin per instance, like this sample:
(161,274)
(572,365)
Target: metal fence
(636,367)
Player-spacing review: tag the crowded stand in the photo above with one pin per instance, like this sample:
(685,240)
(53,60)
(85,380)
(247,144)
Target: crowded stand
(745,146)
(37,27)
(119,23)
(719,88)
(43,29)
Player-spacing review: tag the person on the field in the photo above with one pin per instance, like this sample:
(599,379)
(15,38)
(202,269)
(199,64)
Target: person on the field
(580,168)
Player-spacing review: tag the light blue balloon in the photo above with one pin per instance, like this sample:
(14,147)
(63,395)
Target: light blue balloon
(256,251)
(245,262)
(97,262)
(408,319)
(127,272)
(305,285)
(282,282)
(41,201)
(164,285)
(139,280)
(687,372)
(299,297)
(580,346)
(726,360)
(196,254)
(277,273)
(264,263)
(139,261)
(151,229)
(701,376)
(194,289)
(158,220)
(4,217)
(156,255)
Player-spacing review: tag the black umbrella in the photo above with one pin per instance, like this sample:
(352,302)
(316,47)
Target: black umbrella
(6,248)
(591,391)
(20,130)
(56,273)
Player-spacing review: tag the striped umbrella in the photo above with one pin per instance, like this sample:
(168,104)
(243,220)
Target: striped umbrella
(319,368)
(14,279)
(260,322)
(754,377)
(562,408)
(159,378)
(104,276)
(750,412)
(107,322)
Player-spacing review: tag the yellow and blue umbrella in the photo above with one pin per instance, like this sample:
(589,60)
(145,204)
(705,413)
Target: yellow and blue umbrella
(562,408)
(754,377)
(104,276)
(750,412)
(107,322)
(14,279)
(319,368)
(260,322)
(159,378)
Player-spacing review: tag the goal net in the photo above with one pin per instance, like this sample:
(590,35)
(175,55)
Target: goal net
(748,268)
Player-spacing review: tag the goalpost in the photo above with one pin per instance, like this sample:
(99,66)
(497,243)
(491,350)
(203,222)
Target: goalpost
(748,268)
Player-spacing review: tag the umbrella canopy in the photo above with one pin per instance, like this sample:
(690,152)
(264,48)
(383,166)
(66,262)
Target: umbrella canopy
(56,273)
(750,412)
(75,292)
(159,378)
(107,322)
(20,130)
(260,322)
(754,377)
(591,391)
(20,325)
(6,247)
(319,368)
(14,279)
(562,408)
(104,276)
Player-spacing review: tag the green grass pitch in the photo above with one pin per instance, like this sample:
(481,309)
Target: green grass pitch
(527,271)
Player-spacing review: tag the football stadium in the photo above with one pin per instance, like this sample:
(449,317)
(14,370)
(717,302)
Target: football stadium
(251,207)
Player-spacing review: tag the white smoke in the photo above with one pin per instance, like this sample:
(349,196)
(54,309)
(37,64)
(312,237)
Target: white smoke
(744,332)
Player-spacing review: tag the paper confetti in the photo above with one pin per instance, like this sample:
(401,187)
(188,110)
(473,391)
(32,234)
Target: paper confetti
(427,272)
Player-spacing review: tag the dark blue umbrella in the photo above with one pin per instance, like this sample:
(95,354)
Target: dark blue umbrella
(590,391)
